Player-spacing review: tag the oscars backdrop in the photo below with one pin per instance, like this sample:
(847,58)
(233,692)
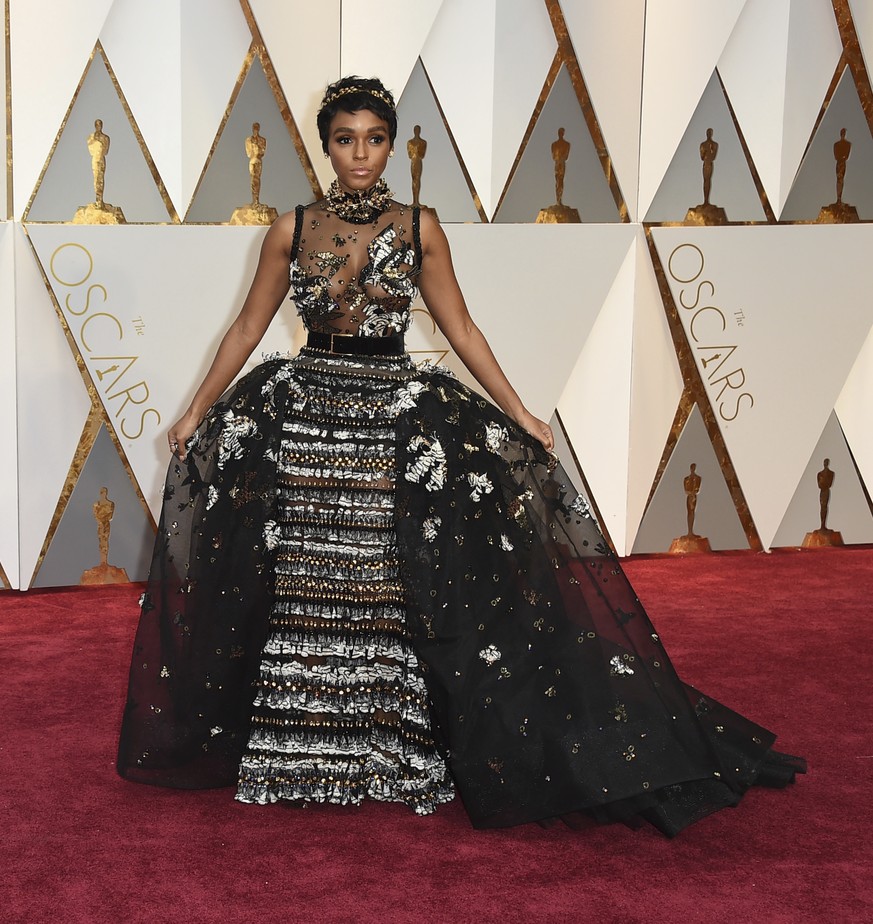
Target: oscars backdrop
(660,215)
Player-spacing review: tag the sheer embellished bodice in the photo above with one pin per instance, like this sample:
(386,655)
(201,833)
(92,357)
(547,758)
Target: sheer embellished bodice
(349,278)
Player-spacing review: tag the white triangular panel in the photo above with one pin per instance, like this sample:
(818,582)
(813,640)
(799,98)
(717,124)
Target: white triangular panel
(814,49)
(775,325)
(8,409)
(656,388)
(459,58)
(853,408)
(5,207)
(684,40)
(303,42)
(610,53)
(154,344)
(178,107)
(535,325)
(134,36)
(47,64)
(364,50)
(595,404)
(862,16)
(49,428)
(525,47)
(752,68)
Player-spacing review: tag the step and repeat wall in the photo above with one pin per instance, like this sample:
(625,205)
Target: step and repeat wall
(659,214)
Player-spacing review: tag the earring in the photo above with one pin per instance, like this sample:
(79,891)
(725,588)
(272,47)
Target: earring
(391,152)
(326,155)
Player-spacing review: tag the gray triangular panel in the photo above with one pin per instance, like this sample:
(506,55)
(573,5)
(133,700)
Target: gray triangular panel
(733,188)
(533,185)
(227,183)
(715,517)
(816,182)
(74,548)
(69,180)
(847,508)
(443,185)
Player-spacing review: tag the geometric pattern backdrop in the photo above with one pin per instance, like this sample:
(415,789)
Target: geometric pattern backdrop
(655,342)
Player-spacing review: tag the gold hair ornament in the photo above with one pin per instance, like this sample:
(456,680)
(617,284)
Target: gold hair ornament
(344,91)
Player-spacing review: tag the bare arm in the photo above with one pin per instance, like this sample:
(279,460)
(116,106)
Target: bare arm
(445,301)
(268,289)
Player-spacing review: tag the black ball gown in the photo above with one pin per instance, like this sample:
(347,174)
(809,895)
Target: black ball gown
(369,583)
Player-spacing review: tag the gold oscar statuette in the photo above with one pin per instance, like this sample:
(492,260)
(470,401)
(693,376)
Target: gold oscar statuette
(839,212)
(706,213)
(416,148)
(104,573)
(255,213)
(690,542)
(559,214)
(98,212)
(823,537)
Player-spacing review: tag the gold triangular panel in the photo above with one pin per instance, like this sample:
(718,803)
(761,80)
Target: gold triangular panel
(815,186)
(733,187)
(715,516)
(533,185)
(444,184)
(83,156)
(841,495)
(4,581)
(227,182)
(76,546)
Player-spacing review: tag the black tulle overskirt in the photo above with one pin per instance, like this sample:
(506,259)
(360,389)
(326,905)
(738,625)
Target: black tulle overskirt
(550,691)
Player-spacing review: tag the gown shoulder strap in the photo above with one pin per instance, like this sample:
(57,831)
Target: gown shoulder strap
(416,233)
(298,228)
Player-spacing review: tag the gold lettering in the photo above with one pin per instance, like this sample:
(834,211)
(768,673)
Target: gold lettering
(65,282)
(129,399)
(87,299)
(90,318)
(697,314)
(113,359)
(138,434)
(724,416)
(730,382)
(721,353)
(700,259)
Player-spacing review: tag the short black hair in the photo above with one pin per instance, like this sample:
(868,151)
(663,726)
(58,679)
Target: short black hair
(368,93)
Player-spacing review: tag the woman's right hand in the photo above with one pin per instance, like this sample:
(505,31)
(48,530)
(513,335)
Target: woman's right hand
(179,434)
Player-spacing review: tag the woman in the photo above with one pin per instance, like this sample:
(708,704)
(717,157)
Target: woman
(370,582)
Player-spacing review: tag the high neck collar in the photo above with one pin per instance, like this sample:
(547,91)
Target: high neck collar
(358,208)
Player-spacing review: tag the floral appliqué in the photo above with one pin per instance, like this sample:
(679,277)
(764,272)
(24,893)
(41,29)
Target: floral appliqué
(481,484)
(490,655)
(234,429)
(430,466)
(495,436)
(429,528)
(272,534)
(618,668)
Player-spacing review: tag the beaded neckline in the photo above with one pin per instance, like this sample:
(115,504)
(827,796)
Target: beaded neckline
(358,208)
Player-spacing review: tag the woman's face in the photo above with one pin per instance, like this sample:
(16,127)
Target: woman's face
(358,145)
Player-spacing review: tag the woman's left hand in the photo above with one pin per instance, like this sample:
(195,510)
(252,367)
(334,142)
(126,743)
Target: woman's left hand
(537,428)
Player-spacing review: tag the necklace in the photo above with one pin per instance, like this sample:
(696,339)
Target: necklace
(358,208)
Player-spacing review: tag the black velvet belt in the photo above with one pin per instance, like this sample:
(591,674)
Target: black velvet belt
(353,345)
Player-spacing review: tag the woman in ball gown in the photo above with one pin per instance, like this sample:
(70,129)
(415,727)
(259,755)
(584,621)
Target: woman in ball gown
(370,582)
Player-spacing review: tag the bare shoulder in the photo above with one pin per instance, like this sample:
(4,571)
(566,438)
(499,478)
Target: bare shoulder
(281,233)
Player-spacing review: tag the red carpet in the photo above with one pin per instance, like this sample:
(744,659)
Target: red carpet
(784,638)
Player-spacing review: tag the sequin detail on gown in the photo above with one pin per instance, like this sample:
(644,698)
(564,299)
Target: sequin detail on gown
(341,711)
